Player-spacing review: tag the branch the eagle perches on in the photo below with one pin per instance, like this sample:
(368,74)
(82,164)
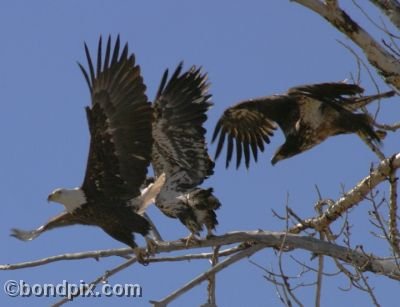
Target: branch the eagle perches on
(246,243)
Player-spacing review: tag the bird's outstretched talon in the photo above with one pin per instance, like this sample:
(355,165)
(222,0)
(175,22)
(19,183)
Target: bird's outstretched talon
(190,240)
(24,235)
(210,234)
(152,246)
(247,244)
(142,256)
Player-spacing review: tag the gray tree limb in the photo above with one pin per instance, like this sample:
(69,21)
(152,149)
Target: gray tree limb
(386,64)
(352,197)
(361,260)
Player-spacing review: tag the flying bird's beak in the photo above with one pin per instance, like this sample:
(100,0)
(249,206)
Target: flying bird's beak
(278,156)
(50,198)
(275,159)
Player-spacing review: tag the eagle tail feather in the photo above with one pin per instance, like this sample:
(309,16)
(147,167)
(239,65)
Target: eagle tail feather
(365,128)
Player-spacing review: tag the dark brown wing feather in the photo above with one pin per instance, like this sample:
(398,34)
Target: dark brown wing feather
(250,124)
(61,220)
(179,113)
(339,96)
(120,126)
(327,91)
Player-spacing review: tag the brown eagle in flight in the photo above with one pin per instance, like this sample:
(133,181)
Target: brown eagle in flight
(119,120)
(307,115)
(180,150)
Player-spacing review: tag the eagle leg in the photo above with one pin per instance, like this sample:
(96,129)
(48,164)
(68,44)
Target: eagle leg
(191,239)
(141,255)
(152,245)
(210,233)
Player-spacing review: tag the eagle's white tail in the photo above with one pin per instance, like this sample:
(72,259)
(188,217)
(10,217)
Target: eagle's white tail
(150,193)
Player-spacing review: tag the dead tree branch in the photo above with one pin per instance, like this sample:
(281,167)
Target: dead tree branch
(204,276)
(386,64)
(391,8)
(267,239)
(352,197)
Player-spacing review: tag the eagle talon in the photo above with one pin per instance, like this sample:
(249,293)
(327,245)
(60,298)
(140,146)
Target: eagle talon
(210,234)
(142,256)
(191,239)
(247,244)
(152,246)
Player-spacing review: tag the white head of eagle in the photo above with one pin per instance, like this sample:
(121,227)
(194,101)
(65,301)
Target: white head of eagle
(70,198)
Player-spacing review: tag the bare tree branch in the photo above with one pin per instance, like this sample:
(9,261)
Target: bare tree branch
(70,256)
(390,8)
(212,302)
(393,230)
(100,279)
(266,239)
(199,279)
(123,252)
(352,197)
(386,64)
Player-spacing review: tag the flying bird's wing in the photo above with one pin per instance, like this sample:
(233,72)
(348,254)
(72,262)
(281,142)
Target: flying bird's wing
(340,96)
(250,124)
(120,126)
(61,220)
(180,149)
(337,91)
(307,115)
(329,91)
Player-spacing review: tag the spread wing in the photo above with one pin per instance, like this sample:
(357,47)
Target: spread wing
(180,149)
(119,121)
(334,94)
(247,125)
(340,97)
(328,91)
(61,220)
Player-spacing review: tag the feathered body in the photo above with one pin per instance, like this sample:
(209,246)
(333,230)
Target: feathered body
(119,120)
(180,149)
(307,115)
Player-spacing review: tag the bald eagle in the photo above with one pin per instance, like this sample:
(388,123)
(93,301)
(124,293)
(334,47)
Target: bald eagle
(180,150)
(119,120)
(306,114)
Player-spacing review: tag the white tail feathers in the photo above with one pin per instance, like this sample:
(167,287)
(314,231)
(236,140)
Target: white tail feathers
(150,193)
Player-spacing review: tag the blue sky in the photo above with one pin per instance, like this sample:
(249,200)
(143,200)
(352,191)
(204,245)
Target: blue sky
(248,51)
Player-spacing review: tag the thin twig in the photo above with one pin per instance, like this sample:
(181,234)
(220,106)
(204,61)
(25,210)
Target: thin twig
(69,256)
(352,197)
(393,127)
(318,292)
(369,290)
(212,280)
(100,279)
(287,290)
(393,230)
(202,277)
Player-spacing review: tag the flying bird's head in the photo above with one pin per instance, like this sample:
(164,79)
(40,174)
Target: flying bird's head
(289,149)
(277,157)
(70,198)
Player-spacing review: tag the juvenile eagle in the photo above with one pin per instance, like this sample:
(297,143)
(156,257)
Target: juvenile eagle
(180,150)
(306,114)
(119,120)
